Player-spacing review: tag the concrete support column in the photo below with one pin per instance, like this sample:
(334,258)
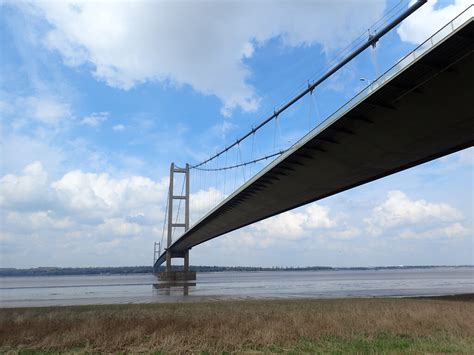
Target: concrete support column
(186,217)
(170,218)
(168,261)
(186,261)
(186,207)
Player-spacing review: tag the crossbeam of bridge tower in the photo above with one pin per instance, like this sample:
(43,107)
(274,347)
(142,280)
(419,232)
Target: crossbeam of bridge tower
(169,274)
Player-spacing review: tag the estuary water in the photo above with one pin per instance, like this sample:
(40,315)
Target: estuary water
(145,288)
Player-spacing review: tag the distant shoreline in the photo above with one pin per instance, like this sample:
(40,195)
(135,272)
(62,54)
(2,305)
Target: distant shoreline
(60,271)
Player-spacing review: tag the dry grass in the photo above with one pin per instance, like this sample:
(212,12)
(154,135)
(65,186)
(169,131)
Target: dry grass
(239,326)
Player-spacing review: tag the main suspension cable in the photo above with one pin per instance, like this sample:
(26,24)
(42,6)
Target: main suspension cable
(371,41)
(243,164)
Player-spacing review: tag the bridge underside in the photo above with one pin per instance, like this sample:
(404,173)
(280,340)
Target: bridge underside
(423,113)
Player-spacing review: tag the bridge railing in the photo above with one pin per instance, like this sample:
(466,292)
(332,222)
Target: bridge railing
(437,38)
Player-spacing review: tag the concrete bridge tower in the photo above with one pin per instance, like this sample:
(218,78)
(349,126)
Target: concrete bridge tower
(169,274)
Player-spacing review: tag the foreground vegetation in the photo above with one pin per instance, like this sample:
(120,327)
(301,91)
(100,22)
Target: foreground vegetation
(289,326)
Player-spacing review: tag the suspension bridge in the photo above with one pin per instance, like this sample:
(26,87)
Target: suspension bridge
(419,110)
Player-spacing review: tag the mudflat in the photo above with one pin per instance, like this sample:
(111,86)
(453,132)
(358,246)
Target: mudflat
(437,324)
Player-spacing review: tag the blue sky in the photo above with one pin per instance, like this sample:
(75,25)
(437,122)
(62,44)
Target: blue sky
(97,98)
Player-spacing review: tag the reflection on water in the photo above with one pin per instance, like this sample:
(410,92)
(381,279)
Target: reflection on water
(176,288)
(145,288)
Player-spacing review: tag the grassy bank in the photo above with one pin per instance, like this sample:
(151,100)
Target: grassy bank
(344,325)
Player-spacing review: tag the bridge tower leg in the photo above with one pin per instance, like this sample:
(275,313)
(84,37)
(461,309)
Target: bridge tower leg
(169,274)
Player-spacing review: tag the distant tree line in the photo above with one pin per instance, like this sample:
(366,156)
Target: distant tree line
(57,271)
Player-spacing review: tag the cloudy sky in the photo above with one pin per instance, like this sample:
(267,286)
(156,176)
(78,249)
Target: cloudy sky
(98,98)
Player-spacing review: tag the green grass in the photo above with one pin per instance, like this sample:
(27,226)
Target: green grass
(382,344)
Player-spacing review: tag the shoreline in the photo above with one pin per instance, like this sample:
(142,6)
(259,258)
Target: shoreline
(426,324)
(215,299)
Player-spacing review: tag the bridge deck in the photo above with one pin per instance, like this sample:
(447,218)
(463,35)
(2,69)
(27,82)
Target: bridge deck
(420,110)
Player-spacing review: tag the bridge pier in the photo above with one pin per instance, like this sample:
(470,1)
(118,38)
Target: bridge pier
(169,274)
(173,275)
(186,261)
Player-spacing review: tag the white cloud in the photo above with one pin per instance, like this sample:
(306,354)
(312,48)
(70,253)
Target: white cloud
(456,230)
(222,129)
(34,222)
(47,110)
(109,247)
(346,234)
(26,191)
(95,119)
(399,211)
(81,198)
(318,217)
(201,44)
(289,225)
(17,151)
(118,127)
(296,224)
(83,213)
(284,229)
(99,194)
(429,19)
(119,227)
(453,230)
(203,201)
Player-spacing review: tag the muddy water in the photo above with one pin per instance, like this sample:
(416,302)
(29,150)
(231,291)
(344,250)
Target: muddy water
(144,288)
